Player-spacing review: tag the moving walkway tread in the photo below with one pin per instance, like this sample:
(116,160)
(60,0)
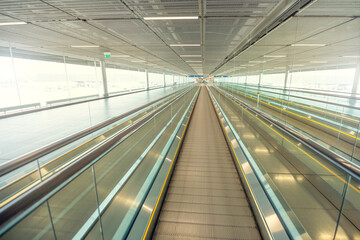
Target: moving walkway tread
(205,198)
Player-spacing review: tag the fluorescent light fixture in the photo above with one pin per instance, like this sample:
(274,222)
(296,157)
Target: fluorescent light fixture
(138,61)
(351,56)
(279,67)
(12,23)
(247,65)
(308,45)
(318,61)
(257,61)
(84,46)
(172,18)
(190,55)
(274,56)
(121,56)
(194,61)
(297,65)
(184,45)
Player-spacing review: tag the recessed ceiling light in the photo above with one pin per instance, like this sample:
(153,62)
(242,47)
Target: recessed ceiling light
(172,18)
(318,61)
(84,46)
(274,56)
(308,45)
(12,23)
(351,56)
(190,55)
(257,61)
(184,45)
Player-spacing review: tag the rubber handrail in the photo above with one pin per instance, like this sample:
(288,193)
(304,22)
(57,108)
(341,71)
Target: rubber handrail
(344,164)
(18,206)
(32,156)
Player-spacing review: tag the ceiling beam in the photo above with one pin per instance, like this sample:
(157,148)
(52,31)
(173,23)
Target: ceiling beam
(202,5)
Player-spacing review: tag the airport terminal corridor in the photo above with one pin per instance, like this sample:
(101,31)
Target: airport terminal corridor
(180,120)
(205,193)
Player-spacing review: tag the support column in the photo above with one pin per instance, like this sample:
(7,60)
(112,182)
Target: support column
(259,83)
(104,79)
(173,79)
(147,79)
(356,81)
(287,71)
(164,79)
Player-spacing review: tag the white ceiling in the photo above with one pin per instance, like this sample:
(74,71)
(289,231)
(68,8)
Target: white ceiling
(333,23)
(118,26)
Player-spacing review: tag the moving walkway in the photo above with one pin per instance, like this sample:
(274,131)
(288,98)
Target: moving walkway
(205,198)
(203,165)
(326,122)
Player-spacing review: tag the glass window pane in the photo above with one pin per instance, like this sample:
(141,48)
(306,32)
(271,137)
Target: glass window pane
(8,92)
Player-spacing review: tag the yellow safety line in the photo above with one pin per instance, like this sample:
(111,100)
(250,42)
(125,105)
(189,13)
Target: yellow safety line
(281,109)
(243,173)
(19,193)
(309,107)
(311,157)
(167,175)
(64,156)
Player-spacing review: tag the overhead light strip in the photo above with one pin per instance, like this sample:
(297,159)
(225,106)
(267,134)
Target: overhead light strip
(172,18)
(274,56)
(354,56)
(318,61)
(257,61)
(190,55)
(184,45)
(84,46)
(308,45)
(12,23)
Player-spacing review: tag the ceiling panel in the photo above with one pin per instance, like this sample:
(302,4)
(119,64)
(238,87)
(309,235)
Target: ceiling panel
(92,9)
(333,8)
(165,7)
(120,27)
(253,8)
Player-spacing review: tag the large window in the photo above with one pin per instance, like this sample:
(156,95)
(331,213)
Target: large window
(28,77)
(169,80)
(8,89)
(156,79)
(82,77)
(334,79)
(120,79)
(252,79)
(276,80)
(40,81)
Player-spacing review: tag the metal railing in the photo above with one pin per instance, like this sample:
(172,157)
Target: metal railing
(110,160)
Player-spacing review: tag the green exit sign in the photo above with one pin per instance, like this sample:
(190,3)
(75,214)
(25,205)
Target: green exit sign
(107,54)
